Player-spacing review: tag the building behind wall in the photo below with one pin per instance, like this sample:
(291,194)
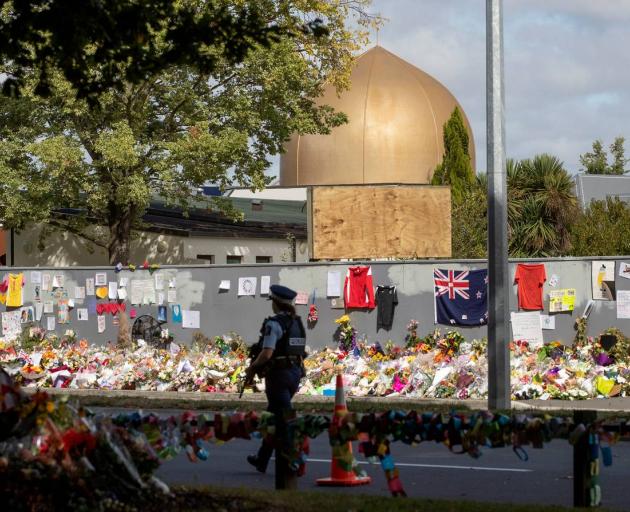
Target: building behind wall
(394,138)
(272,231)
(598,187)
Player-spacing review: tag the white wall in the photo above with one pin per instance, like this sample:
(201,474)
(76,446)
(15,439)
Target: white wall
(248,249)
(66,250)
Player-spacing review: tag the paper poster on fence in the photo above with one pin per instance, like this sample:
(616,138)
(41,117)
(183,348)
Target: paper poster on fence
(190,319)
(63,311)
(11,325)
(265,282)
(148,292)
(548,322)
(333,285)
(562,300)
(27,315)
(527,326)
(39,309)
(101,324)
(603,279)
(247,286)
(623,304)
(137,290)
(301,298)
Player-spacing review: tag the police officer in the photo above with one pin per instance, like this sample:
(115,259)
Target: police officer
(282,350)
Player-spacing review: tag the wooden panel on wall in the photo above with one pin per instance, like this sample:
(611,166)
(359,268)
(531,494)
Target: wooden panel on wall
(380,221)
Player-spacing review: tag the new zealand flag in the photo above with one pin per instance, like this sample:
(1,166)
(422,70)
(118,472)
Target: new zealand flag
(461,296)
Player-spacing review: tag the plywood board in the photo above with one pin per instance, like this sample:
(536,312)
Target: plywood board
(384,221)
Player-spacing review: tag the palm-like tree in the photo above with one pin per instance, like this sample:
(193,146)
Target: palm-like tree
(541,206)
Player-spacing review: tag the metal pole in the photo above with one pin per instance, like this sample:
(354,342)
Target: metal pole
(498,285)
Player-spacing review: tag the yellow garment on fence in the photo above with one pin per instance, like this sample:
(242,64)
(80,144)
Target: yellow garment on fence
(14,294)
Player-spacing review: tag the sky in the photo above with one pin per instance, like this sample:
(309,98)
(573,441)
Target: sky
(567,67)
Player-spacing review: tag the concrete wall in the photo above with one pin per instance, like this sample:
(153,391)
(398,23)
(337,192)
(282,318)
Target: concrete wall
(66,250)
(198,289)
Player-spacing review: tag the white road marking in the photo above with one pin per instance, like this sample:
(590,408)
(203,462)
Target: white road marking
(439,466)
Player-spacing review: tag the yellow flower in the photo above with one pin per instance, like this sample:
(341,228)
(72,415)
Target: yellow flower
(50,407)
(344,319)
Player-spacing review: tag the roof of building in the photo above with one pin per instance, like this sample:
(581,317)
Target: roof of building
(591,187)
(266,218)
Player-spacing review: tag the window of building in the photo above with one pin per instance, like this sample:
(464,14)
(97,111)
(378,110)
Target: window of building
(231,259)
(207,258)
(263,259)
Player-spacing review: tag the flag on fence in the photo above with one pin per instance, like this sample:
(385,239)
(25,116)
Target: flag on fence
(461,296)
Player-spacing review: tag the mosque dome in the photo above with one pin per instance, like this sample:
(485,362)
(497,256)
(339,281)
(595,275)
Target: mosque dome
(396,113)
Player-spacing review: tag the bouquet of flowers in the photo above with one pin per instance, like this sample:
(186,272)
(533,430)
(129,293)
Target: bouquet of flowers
(346,334)
(412,339)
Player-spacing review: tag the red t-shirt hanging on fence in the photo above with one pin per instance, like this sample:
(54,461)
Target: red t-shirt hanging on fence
(358,288)
(530,280)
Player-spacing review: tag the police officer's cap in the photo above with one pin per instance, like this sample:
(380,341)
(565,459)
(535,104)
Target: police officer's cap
(281,294)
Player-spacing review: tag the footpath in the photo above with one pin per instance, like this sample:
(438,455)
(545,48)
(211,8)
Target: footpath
(619,406)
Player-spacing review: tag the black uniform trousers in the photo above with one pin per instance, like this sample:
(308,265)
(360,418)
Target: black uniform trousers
(280,386)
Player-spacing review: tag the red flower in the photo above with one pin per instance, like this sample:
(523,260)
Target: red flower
(78,442)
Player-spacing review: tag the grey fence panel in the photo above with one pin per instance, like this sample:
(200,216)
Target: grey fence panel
(221,313)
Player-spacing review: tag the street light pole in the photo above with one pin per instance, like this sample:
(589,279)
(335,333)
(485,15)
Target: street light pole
(498,285)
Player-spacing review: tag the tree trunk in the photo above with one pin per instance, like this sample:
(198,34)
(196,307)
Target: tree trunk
(119,235)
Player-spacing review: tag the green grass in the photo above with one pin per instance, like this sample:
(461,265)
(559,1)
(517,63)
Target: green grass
(227,500)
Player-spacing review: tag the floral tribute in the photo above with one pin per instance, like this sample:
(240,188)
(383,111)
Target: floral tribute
(346,334)
(438,365)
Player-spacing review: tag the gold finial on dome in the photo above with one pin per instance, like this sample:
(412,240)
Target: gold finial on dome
(396,115)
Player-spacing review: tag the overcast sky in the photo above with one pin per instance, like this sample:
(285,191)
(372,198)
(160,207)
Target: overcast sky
(567,71)
(567,67)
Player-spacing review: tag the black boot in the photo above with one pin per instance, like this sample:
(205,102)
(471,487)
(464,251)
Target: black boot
(257,463)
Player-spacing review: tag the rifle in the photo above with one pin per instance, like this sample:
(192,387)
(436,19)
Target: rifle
(242,385)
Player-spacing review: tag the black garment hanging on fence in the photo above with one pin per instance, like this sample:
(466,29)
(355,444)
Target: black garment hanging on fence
(386,300)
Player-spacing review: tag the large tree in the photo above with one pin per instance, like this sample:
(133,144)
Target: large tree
(98,44)
(456,167)
(541,207)
(92,169)
(596,161)
(469,221)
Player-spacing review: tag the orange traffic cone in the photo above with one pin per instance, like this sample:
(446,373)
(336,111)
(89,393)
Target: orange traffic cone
(338,475)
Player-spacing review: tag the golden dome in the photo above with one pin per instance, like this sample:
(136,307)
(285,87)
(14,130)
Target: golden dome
(396,113)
